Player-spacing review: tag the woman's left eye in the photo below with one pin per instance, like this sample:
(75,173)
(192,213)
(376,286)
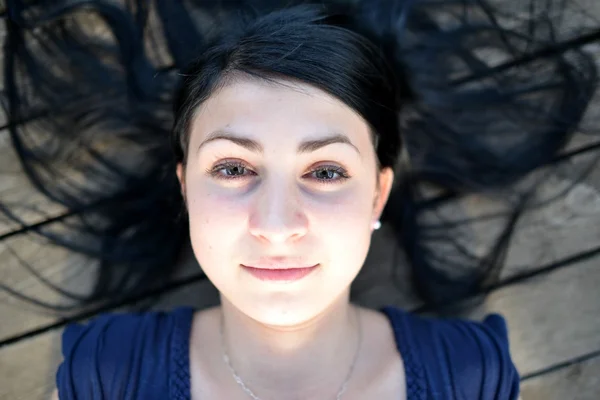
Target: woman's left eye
(329,174)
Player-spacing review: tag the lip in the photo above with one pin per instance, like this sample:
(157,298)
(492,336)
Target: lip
(279,262)
(280,274)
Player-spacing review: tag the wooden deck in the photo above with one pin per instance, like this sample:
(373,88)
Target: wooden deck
(553,314)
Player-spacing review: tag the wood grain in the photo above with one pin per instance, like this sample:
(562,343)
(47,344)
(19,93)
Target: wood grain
(27,368)
(18,194)
(552,319)
(580,381)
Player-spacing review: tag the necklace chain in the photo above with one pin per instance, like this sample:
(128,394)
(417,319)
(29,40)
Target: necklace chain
(255,397)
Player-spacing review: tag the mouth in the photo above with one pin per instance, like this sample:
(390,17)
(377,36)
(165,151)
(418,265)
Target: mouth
(281,274)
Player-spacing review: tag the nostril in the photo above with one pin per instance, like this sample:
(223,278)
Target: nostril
(279,228)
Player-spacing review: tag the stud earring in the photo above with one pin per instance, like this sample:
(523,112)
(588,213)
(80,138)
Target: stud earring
(376,225)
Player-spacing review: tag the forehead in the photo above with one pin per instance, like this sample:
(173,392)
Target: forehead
(281,110)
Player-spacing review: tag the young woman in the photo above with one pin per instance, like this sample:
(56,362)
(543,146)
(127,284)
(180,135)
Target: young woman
(288,144)
(285,137)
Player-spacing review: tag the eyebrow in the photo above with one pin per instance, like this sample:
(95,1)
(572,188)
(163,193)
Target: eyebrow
(307,146)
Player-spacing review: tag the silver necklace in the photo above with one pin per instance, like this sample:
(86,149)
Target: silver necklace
(255,397)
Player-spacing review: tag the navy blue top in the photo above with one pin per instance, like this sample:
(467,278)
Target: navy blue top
(145,356)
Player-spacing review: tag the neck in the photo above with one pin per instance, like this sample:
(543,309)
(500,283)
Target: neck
(309,360)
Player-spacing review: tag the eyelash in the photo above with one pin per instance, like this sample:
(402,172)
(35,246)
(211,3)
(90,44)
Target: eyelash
(215,172)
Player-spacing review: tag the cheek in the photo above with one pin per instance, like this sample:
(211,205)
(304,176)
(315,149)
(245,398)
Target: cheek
(340,212)
(216,223)
(341,225)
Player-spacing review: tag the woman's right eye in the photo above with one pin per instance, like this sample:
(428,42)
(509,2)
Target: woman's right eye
(231,170)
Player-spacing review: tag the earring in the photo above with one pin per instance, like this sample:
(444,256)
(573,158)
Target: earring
(376,225)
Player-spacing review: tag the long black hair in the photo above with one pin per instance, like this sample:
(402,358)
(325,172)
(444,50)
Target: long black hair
(310,44)
(463,99)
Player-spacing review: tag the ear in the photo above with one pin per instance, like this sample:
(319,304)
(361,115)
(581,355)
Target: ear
(385,181)
(181,177)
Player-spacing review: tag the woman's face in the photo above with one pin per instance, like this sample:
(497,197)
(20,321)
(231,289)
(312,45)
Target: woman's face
(281,175)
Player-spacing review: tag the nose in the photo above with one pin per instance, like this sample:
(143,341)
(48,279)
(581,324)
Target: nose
(277,216)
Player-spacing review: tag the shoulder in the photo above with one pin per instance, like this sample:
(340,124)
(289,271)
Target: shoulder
(459,359)
(113,354)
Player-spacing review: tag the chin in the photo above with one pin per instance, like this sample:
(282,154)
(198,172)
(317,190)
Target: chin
(282,313)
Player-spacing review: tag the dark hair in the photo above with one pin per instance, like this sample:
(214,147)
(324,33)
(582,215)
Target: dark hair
(305,44)
(469,124)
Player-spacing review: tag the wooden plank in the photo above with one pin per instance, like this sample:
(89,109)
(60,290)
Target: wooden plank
(580,381)
(28,368)
(551,319)
(74,170)
(71,272)
(385,277)
(18,194)
(557,230)
(578,16)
